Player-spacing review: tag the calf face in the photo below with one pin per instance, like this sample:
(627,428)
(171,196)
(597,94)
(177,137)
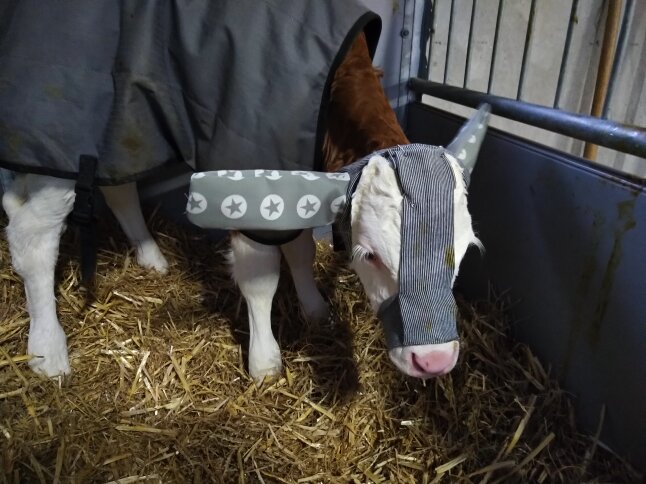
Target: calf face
(376,252)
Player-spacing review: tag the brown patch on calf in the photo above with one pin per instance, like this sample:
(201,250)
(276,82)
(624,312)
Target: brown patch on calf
(360,119)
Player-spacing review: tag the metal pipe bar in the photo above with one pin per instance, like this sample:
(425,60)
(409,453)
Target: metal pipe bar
(619,54)
(495,45)
(448,43)
(616,136)
(466,65)
(566,52)
(528,38)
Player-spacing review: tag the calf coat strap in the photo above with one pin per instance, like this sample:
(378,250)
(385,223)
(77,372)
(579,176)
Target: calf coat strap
(83,215)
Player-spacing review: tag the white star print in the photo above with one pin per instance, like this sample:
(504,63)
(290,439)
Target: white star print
(231,174)
(308,206)
(308,175)
(196,203)
(339,176)
(268,174)
(337,204)
(272,207)
(234,206)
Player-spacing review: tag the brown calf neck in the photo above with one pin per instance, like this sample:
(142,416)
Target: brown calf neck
(360,119)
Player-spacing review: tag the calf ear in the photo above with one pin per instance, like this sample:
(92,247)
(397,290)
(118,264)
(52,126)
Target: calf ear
(378,177)
(378,185)
(378,165)
(466,144)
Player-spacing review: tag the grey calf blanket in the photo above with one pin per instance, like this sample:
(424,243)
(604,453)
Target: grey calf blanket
(218,84)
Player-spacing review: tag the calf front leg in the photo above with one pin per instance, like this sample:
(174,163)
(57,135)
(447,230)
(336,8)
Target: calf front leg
(299,254)
(123,200)
(37,214)
(256,269)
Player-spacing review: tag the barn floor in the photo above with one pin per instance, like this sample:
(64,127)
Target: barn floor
(160,392)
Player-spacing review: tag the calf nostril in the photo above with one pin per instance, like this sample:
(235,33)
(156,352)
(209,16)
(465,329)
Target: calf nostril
(417,365)
(434,362)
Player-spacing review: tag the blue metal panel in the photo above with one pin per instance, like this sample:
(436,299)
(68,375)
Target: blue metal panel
(569,242)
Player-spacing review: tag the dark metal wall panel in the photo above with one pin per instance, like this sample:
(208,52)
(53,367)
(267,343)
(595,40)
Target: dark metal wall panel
(568,240)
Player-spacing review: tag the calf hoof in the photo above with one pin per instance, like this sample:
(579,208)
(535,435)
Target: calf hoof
(150,257)
(266,374)
(265,364)
(49,352)
(317,311)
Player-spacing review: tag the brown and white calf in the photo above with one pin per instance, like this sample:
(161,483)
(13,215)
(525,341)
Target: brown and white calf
(360,121)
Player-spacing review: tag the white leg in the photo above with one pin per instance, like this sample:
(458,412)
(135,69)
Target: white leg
(123,200)
(299,254)
(256,269)
(15,194)
(36,222)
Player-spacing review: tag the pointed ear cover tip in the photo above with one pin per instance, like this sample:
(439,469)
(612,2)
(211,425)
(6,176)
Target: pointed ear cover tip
(484,110)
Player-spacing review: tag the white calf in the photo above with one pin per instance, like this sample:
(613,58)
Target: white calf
(376,235)
(38,205)
(376,222)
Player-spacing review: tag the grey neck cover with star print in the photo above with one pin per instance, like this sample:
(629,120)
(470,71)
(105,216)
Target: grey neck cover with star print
(265,199)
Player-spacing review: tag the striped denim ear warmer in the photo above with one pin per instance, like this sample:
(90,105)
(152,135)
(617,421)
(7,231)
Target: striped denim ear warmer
(424,310)
(345,217)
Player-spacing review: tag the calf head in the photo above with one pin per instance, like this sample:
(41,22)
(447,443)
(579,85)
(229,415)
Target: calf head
(410,229)
(426,344)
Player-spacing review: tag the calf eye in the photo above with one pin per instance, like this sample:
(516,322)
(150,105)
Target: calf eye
(360,253)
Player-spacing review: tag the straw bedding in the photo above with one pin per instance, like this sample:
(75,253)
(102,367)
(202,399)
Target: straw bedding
(160,392)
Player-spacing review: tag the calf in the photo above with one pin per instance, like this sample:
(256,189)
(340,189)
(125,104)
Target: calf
(359,122)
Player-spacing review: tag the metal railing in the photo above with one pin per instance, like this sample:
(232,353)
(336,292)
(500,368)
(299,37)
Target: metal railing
(603,132)
(597,130)
(423,73)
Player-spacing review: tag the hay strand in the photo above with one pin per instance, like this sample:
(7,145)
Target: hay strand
(521,426)
(595,441)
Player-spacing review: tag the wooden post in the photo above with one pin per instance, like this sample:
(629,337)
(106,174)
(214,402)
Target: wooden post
(605,66)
